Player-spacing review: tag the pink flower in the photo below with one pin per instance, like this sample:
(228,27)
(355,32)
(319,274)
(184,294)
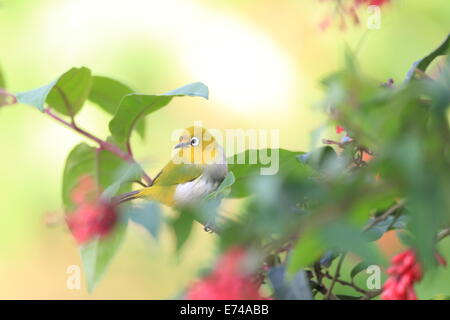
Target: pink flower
(92,217)
(404,272)
(228,281)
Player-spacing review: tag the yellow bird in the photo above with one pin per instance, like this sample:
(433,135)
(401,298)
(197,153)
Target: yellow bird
(196,169)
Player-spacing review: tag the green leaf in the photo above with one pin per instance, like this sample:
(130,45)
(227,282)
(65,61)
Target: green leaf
(97,254)
(250,163)
(182,226)
(425,215)
(107,93)
(308,249)
(224,187)
(319,158)
(110,166)
(126,174)
(341,235)
(226,183)
(102,165)
(377,231)
(134,107)
(358,268)
(148,216)
(65,94)
(35,97)
(71,91)
(207,211)
(423,63)
(80,162)
(406,238)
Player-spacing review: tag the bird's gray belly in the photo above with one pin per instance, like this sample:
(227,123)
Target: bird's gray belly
(193,191)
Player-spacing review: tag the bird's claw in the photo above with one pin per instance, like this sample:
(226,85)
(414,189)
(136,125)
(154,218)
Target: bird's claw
(207,227)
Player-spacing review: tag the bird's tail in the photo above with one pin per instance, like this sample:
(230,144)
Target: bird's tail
(126,197)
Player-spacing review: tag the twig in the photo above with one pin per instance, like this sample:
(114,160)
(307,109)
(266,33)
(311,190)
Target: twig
(372,294)
(384,216)
(339,144)
(318,272)
(345,283)
(130,152)
(7,95)
(393,222)
(318,286)
(140,183)
(443,233)
(336,275)
(105,145)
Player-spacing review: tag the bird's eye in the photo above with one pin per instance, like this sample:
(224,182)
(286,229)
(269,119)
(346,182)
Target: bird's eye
(194,142)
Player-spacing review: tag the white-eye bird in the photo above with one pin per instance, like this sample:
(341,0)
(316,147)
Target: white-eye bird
(196,169)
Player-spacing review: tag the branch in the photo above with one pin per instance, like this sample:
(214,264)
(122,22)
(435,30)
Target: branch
(140,183)
(130,152)
(336,275)
(372,294)
(104,145)
(339,144)
(7,95)
(443,233)
(367,294)
(345,283)
(385,215)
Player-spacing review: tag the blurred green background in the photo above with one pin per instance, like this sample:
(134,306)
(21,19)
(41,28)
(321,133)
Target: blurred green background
(262,60)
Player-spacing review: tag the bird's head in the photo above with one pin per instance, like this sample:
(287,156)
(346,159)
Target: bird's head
(197,145)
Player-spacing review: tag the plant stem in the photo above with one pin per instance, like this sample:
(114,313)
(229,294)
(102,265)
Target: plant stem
(372,294)
(104,145)
(384,216)
(130,152)
(336,275)
(345,283)
(443,233)
(6,95)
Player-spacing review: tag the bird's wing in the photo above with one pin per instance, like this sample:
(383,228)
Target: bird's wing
(173,174)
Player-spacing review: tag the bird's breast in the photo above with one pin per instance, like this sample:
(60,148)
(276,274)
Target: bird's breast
(194,191)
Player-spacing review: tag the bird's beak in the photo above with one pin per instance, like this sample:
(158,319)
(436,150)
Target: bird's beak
(182,145)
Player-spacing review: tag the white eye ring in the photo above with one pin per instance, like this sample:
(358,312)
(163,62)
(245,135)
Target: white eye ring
(194,142)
